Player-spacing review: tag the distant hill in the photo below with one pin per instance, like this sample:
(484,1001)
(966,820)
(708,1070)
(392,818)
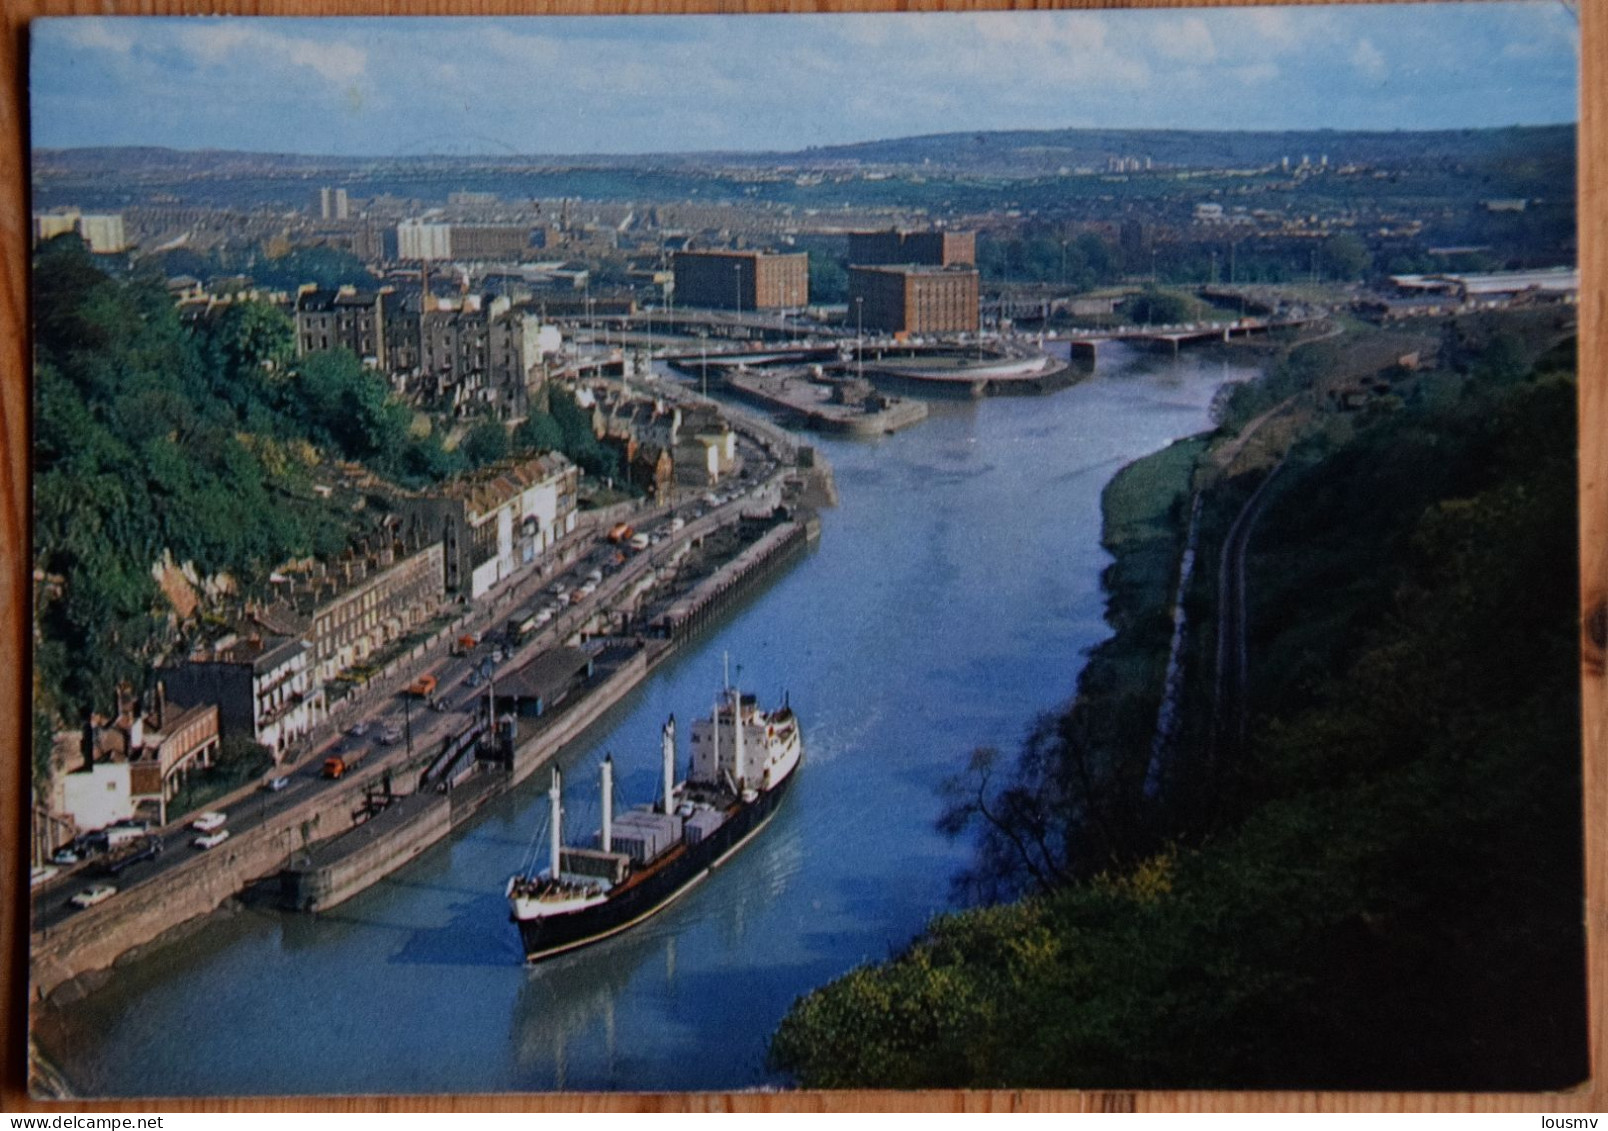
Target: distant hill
(998,152)
(1031,152)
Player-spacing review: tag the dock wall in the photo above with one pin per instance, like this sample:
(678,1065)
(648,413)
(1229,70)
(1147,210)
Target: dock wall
(93,939)
(364,855)
(372,851)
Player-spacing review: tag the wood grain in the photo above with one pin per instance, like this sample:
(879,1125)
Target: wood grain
(15,574)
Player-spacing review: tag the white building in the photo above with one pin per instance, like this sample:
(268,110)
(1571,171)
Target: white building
(103,234)
(416,239)
(265,687)
(99,796)
(498,520)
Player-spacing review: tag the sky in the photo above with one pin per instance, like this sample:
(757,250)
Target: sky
(582,85)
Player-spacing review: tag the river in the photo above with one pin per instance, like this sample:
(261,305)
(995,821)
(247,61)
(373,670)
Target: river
(954,593)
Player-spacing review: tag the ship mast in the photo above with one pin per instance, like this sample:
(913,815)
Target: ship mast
(739,762)
(608,803)
(669,763)
(555,797)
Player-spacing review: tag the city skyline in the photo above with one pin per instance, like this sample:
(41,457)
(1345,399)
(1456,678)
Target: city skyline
(633,85)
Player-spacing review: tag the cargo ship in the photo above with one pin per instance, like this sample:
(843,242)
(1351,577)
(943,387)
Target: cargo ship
(645,858)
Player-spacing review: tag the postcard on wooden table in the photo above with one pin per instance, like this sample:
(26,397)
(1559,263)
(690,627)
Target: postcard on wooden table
(1017,549)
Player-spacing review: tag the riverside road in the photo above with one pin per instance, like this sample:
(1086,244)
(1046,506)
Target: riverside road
(949,602)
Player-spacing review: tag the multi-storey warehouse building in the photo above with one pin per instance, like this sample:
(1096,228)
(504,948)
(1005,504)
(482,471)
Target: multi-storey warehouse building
(742,280)
(427,240)
(935,249)
(914,299)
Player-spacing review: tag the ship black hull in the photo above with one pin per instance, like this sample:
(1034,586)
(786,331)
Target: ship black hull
(635,902)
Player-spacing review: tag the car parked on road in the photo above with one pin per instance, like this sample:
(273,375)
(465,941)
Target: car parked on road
(211,840)
(95,893)
(208,822)
(274,785)
(65,856)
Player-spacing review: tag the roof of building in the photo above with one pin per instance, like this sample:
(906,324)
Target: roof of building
(320,300)
(916,268)
(546,677)
(489,487)
(260,653)
(741,253)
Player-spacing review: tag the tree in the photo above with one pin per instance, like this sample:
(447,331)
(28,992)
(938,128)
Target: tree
(1344,256)
(1153,306)
(538,432)
(486,442)
(349,407)
(252,339)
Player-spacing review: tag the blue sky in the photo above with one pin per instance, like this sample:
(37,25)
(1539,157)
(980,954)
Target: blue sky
(659,84)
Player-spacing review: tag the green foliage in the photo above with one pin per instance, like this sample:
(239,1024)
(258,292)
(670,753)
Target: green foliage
(1345,256)
(1293,373)
(329,268)
(240,761)
(150,439)
(345,406)
(486,442)
(1161,308)
(1044,255)
(829,281)
(580,443)
(538,432)
(1072,803)
(1390,896)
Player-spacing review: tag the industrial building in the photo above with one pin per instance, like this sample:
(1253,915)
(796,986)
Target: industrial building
(486,243)
(742,280)
(932,249)
(914,299)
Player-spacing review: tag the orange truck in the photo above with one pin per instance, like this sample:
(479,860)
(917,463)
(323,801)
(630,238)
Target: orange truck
(621,533)
(423,687)
(339,765)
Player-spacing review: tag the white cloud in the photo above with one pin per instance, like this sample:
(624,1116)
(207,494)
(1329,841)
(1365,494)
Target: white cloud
(1369,60)
(210,42)
(1189,39)
(1277,28)
(220,43)
(335,62)
(100,35)
(1252,73)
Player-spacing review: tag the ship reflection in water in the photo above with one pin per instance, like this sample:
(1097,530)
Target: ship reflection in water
(578,1020)
(742,764)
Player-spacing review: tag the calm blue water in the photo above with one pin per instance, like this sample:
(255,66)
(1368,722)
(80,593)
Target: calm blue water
(952,598)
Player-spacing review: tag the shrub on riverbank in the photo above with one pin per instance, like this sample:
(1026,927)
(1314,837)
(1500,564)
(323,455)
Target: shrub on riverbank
(1388,898)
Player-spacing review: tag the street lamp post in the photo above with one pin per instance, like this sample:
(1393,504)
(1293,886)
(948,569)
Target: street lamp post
(859,336)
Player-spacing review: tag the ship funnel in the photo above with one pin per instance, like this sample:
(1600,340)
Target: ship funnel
(669,763)
(608,804)
(555,797)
